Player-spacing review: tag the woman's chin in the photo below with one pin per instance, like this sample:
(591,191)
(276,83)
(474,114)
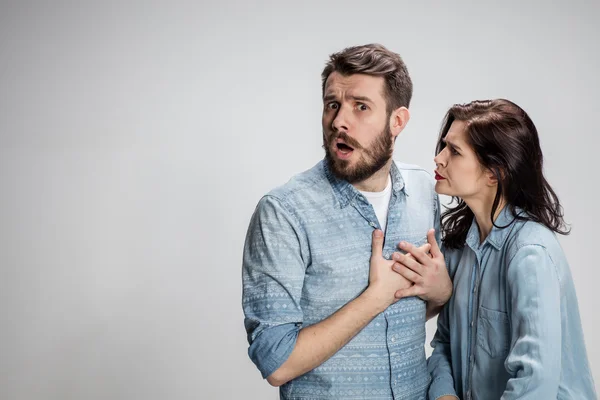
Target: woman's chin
(441,189)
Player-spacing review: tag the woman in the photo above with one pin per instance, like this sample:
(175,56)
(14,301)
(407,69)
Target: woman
(511,328)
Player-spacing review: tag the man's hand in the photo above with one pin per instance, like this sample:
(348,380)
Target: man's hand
(384,283)
(317,342)
(427,272)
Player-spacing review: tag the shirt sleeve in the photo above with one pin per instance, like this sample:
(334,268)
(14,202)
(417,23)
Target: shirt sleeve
(272,276)
(437,219)
(534,297)
(440,362)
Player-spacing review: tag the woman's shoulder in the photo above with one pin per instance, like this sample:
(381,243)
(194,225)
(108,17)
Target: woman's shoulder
(527,235)
(531,233)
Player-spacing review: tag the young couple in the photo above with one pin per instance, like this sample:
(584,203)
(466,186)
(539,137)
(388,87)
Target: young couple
(341,265)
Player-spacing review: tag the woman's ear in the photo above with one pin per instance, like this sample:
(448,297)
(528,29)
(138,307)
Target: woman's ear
(493,175)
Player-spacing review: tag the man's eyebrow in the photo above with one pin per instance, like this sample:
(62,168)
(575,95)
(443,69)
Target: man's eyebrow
(362,98)
(331,96)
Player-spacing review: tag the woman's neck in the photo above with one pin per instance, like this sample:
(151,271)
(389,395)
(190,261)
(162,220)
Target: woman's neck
(482,209)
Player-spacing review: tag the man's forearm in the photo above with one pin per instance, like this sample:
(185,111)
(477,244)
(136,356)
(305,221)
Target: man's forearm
(317,343)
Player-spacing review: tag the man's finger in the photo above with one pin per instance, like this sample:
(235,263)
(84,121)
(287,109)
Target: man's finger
(435,249)
(377,243)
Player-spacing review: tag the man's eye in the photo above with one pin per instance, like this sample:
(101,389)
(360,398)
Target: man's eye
(332,106)
(362,107)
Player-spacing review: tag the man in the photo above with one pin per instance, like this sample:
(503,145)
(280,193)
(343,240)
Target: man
(323,322)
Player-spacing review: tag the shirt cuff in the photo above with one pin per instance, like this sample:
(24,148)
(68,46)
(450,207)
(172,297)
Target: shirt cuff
(442,386)
(273,346)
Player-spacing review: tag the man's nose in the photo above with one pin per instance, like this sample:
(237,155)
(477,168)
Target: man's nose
(341,122)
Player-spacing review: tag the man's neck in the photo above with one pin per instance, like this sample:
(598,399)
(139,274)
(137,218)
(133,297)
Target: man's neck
(376,182)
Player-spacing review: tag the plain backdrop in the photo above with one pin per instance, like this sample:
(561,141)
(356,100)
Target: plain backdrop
(137,137)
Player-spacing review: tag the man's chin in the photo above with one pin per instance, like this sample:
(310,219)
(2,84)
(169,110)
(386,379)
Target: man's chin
(351,170)
(349,173)
(341,169)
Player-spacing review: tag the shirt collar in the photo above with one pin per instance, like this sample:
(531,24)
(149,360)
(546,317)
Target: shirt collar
(500,230)
(345,192)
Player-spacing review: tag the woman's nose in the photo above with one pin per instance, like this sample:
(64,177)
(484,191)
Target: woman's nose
(439,159)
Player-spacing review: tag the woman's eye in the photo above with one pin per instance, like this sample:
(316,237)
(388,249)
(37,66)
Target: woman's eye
(453,151)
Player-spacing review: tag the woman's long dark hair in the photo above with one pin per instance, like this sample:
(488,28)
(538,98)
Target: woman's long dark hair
(506,142)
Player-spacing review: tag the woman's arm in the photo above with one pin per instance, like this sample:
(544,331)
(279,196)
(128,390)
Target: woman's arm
(534,300)
(440,362)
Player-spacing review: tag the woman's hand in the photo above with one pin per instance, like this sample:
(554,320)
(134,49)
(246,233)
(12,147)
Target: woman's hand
(427,272)
(383,281)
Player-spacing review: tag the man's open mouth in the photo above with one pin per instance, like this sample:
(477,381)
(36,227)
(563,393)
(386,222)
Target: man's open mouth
(344,148)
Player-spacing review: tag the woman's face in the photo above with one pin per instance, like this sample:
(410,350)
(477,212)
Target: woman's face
(458,171)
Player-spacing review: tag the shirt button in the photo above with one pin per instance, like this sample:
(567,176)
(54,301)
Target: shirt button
(372,224)
(393,339)
(471,324)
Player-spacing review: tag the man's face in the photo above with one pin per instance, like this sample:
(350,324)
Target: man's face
(356,126)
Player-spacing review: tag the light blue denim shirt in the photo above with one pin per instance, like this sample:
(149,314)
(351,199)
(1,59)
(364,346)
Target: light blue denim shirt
(307,254)
(511,329)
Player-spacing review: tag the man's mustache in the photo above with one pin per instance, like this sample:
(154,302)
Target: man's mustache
(347,139)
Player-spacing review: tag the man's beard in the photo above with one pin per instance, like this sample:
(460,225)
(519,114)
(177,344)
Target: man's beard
(371,160)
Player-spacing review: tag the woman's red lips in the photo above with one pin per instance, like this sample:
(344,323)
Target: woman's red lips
(438,177)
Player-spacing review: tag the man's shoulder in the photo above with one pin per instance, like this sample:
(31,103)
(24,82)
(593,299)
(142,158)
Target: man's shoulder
(301,184)
(416,178)
(413,171)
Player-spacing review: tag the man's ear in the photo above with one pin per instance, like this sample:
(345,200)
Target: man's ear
(398,120)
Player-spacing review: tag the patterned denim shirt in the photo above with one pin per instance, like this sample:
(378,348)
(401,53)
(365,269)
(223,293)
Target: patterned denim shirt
(307,254)
(511,329)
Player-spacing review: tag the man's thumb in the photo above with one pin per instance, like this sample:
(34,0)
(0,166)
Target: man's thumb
(377,243)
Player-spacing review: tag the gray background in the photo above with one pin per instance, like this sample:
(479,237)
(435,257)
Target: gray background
(137,138)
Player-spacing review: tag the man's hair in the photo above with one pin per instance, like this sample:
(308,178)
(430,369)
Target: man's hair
(375,60)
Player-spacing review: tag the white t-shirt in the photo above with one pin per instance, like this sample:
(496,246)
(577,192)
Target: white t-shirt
(380,202)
